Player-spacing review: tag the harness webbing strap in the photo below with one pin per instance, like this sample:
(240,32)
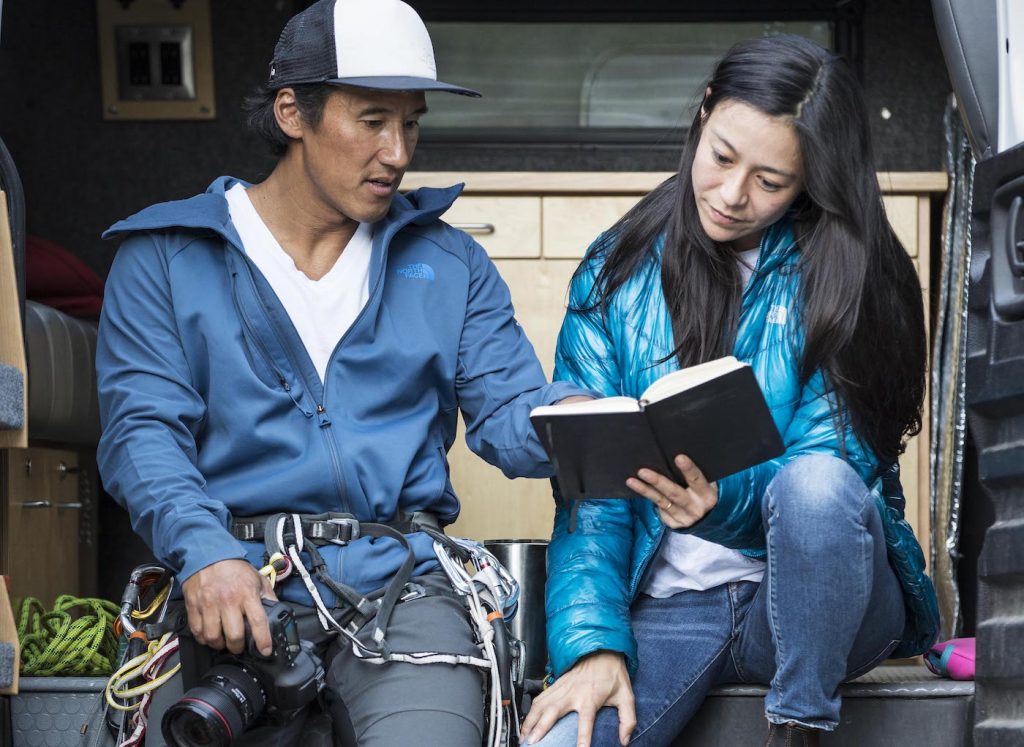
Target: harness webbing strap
(331,527)
(290,534)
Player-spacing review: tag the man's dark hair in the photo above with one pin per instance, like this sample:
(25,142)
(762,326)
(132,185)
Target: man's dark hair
(310,98)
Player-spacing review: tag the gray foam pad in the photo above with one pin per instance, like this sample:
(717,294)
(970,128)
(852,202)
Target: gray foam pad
(11,398)
(6,665)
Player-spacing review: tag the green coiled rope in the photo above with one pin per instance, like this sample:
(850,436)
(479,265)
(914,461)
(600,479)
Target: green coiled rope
(75,638)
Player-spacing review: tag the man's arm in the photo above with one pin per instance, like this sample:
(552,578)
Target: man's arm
(151,415)
(499,379)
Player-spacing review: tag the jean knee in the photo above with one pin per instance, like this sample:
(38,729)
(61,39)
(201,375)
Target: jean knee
(818,487)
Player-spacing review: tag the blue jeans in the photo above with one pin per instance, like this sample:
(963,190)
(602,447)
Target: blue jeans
(830,608)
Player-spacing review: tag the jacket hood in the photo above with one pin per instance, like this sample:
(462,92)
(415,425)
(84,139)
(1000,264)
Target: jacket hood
(209,210)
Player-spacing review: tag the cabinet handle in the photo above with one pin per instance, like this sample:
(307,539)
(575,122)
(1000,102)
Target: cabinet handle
(64,470)
(76,505)
(36,504)
(475,227)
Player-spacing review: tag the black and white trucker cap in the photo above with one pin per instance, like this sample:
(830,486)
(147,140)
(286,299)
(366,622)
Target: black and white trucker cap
(379,44)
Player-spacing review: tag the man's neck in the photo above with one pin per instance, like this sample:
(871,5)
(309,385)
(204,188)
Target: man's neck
(310,233)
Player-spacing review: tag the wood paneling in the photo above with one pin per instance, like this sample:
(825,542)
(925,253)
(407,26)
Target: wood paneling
(902,213)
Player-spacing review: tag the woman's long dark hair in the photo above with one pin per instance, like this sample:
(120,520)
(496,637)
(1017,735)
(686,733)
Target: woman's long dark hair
(861,300)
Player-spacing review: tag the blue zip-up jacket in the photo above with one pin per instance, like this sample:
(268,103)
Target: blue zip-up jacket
(596,571)
(211,406)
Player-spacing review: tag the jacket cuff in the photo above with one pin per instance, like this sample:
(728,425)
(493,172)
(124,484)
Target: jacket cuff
(561,665)
(208,547)
(559,390)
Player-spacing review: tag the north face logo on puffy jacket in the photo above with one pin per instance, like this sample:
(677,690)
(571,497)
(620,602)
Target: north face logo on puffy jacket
(416,271)
(777,315)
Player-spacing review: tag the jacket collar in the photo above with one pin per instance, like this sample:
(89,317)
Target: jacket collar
(209,211)
(778,243)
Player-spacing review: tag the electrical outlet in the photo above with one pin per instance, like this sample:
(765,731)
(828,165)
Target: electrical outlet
(156,59)
(154,63)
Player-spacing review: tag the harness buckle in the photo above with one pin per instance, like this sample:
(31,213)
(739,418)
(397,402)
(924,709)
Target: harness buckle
(347,530)
(244,531)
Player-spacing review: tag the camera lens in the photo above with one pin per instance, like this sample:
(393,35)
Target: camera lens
(225,703)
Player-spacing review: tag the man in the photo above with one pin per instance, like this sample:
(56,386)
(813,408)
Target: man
(302,345)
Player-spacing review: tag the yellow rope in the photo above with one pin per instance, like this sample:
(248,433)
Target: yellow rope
(133,669)
(75,638)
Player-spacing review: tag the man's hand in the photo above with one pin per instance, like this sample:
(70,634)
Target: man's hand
(221,598)
(680,506)
(598,680)
(574,398)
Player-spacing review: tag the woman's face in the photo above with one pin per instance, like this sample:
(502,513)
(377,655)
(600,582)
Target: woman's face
(746,173)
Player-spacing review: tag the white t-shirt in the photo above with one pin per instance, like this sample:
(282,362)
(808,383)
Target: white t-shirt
(747,261)
(687,562)
(321,310)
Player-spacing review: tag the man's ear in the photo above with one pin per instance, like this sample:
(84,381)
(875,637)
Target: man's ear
(287,114)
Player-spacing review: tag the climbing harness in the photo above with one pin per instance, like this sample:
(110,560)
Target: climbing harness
(490,596)
(489,593)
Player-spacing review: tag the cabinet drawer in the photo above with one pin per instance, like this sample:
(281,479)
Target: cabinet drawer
(507,227)
(572,223)
(41,526)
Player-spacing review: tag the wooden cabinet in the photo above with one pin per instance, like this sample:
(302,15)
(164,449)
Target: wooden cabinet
(536,226)
(39,531)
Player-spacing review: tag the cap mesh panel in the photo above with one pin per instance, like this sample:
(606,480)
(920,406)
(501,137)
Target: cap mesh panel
(305,52)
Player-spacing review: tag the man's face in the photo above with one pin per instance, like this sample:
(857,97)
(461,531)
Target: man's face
(356,156)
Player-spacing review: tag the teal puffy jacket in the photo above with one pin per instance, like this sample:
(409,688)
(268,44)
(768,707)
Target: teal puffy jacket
(595,571)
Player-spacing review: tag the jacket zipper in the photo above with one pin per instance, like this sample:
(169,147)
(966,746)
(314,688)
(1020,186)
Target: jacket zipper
(639,576)
(281,379)
(268,359)
(322,415)
(323,421)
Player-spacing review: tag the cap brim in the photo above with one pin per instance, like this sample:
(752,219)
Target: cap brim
(403,83)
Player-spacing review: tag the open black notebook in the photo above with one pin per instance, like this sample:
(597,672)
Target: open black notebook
(715,413)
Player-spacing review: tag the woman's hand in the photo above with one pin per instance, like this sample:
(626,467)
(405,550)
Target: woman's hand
(679,506)
(597,680)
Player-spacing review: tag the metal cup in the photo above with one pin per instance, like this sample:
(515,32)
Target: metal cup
(526,560)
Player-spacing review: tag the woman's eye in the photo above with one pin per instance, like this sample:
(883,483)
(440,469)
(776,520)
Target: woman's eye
(719,158)
(373,124)
(769,186)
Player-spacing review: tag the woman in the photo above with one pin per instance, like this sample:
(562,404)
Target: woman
(770,244)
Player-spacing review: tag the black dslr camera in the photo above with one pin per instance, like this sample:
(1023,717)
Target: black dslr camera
(234,693)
